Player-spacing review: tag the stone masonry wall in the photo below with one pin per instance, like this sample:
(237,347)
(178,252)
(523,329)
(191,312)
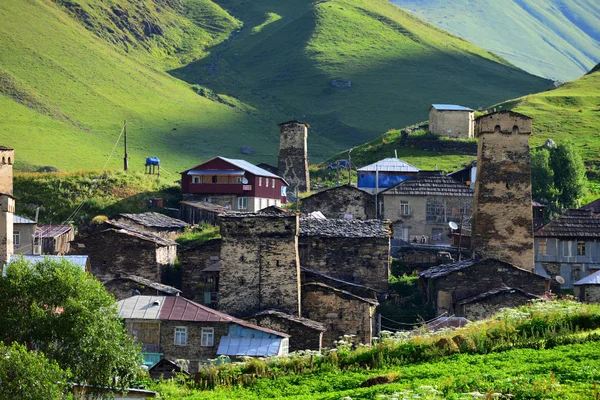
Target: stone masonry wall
(588,293)
(260,268)
(293,156)
(193,260)
(341,315)
(301,337)
(489,306)
(502,217)
(340,201)
(7,210)
(455,124)
(7,159)
(365,261)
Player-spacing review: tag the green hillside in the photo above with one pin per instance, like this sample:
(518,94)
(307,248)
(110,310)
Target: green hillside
(557,39)
(72,70)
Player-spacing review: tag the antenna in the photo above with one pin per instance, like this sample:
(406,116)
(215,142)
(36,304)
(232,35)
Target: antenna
(453,225)
(559,279)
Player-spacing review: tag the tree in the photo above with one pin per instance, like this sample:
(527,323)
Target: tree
(542,177)
(65,313)
(569,174)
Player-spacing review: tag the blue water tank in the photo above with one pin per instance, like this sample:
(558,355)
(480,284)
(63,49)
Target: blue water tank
(152,161)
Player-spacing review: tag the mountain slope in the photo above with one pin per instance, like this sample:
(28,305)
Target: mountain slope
(557,39)
(72,70)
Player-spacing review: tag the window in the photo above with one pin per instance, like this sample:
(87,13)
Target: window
(543,247)
(214,179)
(242,203)
(260,181)
(581,248)
(181,336)
(567,249)
(208,337)
(435,211)
(404,207)
(266,182)
(196,179)
(273,183)
(239,179)
(16,238)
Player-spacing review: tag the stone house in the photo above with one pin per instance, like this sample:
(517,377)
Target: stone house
(234,184)
(175,328)
(384,174)
(569,246)
(123,287)
(55,239)
(448,285)
(351,250)
(116,250)
(587,290)
(484,305)
(424,205)
(200,268)
(341,312)
(305,334)
(451,120)
(24,232)
(293,155)
(7,204)
(341,202)
(156,223)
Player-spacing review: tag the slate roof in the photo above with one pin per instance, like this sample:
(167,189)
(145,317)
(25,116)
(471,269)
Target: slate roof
(389,165)
(450,107)
(573,224)
(210,207)
(125,229)
(53,230)
(496,292)
(593,279)
(337,281)
(4,148)
(347,228)
(300,320)
(22,220)
(270,212)
(177,308)
(594,206)
(430,183)
(294,121)
(336,188)
(155,220)
(340,292)
(154,285)
(446,269)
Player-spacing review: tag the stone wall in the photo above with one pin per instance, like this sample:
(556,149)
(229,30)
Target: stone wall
(112,253)
(194,260)
(341,201)
(260,268)
(301,336)
(7,210)
(502,217)
(293,155)
(341,312)
(455,124)
(365,261)
(124,288)
(488,306)
(587,293)
(7,159)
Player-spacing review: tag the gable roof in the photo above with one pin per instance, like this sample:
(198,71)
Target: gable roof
(446,269)
(572,224)
(52,231)
(129,230)
(309,323)
(177,308)
(339,292)
(430,183)
(509,112)
(594,206)
(347,228)
(450,107)
(155,220)
(22,220)
(593,279)
(389,165)
(497,292)
(147,282)
(242,164)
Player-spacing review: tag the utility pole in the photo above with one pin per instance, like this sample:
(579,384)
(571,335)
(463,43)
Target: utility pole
(126,158)
(349,165)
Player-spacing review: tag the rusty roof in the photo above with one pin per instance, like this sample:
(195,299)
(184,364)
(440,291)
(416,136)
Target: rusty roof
(430,183)
(155,220)
(573,224)
(346,228)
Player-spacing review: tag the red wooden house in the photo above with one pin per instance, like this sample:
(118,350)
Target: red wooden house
(235,184)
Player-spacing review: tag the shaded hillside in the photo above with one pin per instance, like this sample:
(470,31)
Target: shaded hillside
(557,39)
(72,70)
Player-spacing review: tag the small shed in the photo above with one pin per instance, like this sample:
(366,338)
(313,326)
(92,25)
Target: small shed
(587,290)
(166,369)
(196,212)
(486,304)
(452,120)
(55,239)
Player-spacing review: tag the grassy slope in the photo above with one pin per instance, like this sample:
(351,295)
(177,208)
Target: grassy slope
(558,39)
(75,91)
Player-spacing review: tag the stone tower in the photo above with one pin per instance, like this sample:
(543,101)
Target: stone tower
(260,267)
(502,214)
(7,203)
(7,159)
(293,155)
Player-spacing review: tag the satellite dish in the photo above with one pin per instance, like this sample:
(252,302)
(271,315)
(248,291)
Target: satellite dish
(453,225)
(244,181)
(559,279)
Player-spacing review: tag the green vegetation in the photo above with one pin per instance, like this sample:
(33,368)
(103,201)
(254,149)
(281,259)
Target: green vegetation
(72,71)
(77,197)
(555,39)
(508,354)
(199,234)
(70,318)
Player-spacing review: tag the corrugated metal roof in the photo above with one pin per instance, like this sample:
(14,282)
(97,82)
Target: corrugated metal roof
(253,169)
(243,346)
(53,230)
(389,165)
(22,220)
(450,107)
(80,261)
(141,307)
(593,279)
